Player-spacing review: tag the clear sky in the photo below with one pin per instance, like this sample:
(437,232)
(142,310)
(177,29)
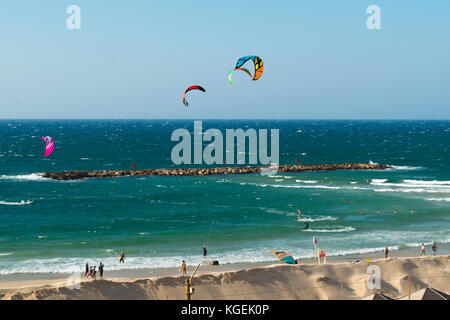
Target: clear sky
(134,59)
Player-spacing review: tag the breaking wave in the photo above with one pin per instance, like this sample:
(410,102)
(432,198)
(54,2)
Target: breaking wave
(25,177)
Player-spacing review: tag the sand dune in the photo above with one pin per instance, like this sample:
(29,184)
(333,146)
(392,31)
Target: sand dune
(330,281)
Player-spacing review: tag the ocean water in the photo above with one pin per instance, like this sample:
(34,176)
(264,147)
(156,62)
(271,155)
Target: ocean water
(158,221)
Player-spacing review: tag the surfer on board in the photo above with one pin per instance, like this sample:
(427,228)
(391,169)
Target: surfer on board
(299,215)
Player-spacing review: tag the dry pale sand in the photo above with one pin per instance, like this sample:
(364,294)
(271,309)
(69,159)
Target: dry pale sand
(330,281)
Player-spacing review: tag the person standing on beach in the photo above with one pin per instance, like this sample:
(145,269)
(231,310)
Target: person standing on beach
(386,252)
(183,268)
(122,257)
(100,269)
(205,252)
(423,250)
(434,248)
(87,270)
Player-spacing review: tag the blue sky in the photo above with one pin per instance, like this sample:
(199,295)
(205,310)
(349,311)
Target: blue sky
(134,59)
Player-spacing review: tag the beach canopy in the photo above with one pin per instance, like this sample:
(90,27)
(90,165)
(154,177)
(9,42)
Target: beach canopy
(378,296)
(284,257)
(427,294)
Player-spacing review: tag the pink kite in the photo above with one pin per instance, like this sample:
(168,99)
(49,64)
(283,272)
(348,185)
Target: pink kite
(49,145)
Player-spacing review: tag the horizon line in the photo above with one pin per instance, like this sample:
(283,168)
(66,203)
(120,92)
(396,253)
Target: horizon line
(228,119)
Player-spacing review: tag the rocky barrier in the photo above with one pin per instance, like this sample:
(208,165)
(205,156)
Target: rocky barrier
(78,175)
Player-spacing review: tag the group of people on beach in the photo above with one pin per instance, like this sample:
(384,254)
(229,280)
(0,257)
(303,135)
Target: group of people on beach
(433,249)
(422,250)
(91,271)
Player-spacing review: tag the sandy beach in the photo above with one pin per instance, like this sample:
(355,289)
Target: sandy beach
(336,280)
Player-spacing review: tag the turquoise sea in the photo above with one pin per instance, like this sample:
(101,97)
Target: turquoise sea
(158,221)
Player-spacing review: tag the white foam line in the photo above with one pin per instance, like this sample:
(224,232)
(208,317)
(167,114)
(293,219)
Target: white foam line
(25,177)
(346,229)
(447,199)
(21,203)
(405,168)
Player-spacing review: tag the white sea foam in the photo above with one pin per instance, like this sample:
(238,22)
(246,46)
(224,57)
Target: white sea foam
(4,254)
(418,186)
(359,251)
(21,203)
(427,182)
(379,180)
(311,219)
(306,181)
(25,177)
(447,199)
(405,167)
(345,229)
(303,186)
(276,211)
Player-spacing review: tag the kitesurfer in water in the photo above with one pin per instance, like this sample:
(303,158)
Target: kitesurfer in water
(205,252)
(299,215)
(306,225)
(122,257)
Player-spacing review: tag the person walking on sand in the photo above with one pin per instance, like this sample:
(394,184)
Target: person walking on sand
(434,248)
(122,257)
(423,250)
(386,252)
(205,252)
(183,268)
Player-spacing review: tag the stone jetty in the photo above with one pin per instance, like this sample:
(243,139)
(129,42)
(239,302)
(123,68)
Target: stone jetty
(79,175)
